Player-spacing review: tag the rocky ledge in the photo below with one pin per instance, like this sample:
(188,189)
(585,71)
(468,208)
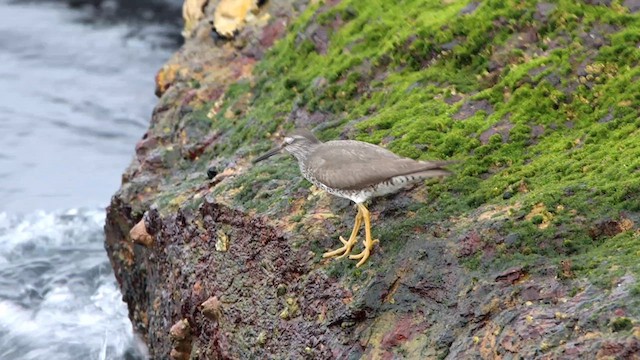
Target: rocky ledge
(529,251)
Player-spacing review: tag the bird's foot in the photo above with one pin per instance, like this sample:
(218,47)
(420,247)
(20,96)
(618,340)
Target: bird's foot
(344,250)
(364,255)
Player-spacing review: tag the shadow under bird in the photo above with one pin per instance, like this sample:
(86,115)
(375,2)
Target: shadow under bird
(357,171)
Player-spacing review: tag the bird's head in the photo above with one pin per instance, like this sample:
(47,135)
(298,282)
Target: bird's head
(298,143)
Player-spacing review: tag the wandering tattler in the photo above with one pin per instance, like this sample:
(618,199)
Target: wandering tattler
(357,171)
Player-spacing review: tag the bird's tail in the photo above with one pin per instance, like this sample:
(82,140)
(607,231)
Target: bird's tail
(433,173)
(435,169)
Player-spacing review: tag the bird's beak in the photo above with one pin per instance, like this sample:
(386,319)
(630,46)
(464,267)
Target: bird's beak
(268,154)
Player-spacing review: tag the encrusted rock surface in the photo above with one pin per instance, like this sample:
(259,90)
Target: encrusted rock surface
(530,251)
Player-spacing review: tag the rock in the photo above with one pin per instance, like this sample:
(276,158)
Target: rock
(502,128)
(628,349)
(180,331)
(222,242)
(212,172)
(230,15)
(530,293)
(179,355)
(230,171)
(212,308)
(470,243)
(303,119)
(543,10)
(470,108)
(607,118)
(180,334)
(632,5)
(609,227)
(469,9)
(511,275)
(599,2)
(192,13)
(497,261)
(139,234)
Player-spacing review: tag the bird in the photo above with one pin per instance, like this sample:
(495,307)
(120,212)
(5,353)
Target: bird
(357,171)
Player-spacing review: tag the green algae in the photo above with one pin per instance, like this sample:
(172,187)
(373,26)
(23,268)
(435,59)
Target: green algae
(621,324)
(571,108)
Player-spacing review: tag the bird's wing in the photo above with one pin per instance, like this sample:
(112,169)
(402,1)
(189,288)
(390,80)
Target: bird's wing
(352,150)
(350,165)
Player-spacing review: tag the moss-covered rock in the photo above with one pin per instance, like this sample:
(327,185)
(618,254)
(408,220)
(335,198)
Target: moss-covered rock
(532,247)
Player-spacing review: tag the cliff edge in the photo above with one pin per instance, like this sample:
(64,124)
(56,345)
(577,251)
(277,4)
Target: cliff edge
(531,250)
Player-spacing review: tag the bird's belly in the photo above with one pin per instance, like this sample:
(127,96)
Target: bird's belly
(385,189)
(359,196)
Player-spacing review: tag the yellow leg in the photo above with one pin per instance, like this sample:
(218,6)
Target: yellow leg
(348,244)
(368,243)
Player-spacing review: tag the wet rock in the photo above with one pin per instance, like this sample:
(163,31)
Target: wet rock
(527,38)
(530,293)
(537,131)
(470,9)
(607,118)
(471,107)
(271,33)
(230,15)
(507,195)
(470,243)
(597,36)
(628,349)
(543,10)
(511,275)
(553,79)
(404,330)
(180,334)
(320,39)
(428,276)
(145,144)
(453,99)
(535,71)
(179,355)
(212,308)
(180,331)
(192,13)
(502,128)
(512,239)
(303,119)
(230,171)
(193,150)
(599,2)
(632,5)
(450,45)
(566,267)
(212,172)
(609,228)
(318,35)
(140,235)
(222,242)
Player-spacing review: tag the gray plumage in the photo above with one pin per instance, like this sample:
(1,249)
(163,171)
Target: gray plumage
(354,169)
(353,165)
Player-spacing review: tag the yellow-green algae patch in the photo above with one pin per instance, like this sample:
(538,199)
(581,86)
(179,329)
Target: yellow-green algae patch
(555,122)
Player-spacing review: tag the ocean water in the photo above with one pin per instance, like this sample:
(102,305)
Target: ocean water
(76,93)
(58,296)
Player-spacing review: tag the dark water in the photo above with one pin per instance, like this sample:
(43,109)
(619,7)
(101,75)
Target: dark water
(76,93)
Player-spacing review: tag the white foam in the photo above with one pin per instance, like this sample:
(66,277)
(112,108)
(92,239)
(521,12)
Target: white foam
(49,228)
(63,298)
